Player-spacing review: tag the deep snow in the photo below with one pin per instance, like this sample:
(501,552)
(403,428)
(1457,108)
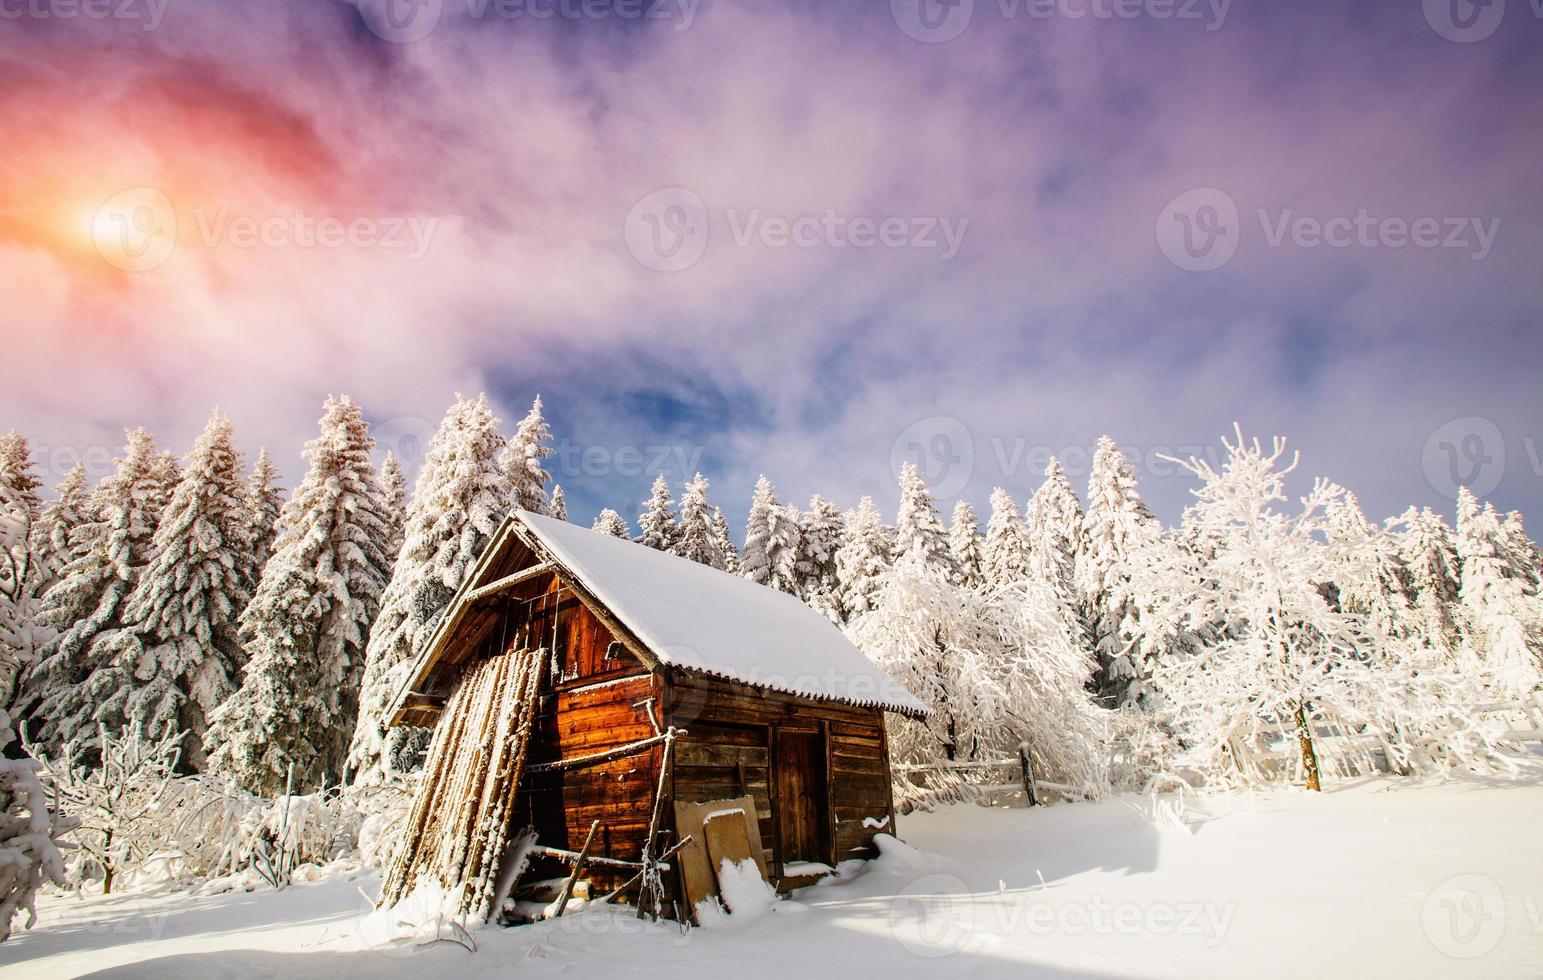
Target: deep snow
(1382,877)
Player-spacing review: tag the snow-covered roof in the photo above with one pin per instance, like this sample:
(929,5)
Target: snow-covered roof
(703,620)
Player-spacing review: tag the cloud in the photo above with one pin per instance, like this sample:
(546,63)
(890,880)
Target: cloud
(526,144)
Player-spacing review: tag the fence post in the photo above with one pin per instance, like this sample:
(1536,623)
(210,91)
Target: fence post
(1029,788)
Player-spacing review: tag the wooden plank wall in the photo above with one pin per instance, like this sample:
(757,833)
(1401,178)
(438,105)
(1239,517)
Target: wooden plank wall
(728,727)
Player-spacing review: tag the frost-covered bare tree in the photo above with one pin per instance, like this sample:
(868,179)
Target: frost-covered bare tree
(997,666)
(1292,684)
(30,832)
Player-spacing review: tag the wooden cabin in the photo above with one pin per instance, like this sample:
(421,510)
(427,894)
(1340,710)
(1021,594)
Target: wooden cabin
(645,653)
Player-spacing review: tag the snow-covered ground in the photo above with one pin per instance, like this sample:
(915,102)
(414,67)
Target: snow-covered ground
(1378,878)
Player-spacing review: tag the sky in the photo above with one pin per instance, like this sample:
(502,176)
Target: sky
(810,240)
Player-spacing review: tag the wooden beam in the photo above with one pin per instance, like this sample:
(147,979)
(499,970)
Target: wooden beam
(508,582)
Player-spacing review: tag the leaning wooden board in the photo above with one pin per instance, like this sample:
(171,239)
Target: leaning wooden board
(695,860)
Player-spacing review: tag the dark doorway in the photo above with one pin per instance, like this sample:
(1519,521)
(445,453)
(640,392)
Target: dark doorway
(798,780)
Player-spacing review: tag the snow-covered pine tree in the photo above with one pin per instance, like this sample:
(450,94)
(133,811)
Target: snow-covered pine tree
(1116,524)
(863,560)
(1522,553)
(657,525)
(771,541)
(694,537)
(819,538)
(306,624)
(69,509)
(1006,556)
(25,572)
(30,834)
(461,498)
(393,498)
(265,498)
(917,524)
(612,523)
(1503,628)
(522,461)
(558,508)
(1370,579)
(1054,522)
(967,546)
(1429,557)
(724,539)
(179,655)
(77,681)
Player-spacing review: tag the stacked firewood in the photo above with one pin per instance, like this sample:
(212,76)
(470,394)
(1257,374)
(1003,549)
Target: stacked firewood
(459,828)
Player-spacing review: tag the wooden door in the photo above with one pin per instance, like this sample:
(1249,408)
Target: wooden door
(798,781)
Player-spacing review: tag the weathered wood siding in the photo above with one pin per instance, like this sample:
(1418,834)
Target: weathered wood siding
(727,751)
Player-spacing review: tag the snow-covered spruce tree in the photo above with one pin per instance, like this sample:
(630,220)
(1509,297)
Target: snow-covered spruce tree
(917,524)
(999,670)
(1370,579)
(558,508)
(1252,702)
(1006,556)
(771,541)
(78,681)
(1429,558)
(863,560)
(1054,522)
(657,525)
(70,508)
(967,546)
(1522,552)
(1503,628)
(393,498)
(522,461)
(30,833)
(460,500)
(181,653)
(694,537)
(1117,522)
(265,498)
(25,571)
(306,624)
(725,541)
(612,523)
(819,539)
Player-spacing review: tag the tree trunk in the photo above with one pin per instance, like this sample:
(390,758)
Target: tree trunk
(1309,754)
